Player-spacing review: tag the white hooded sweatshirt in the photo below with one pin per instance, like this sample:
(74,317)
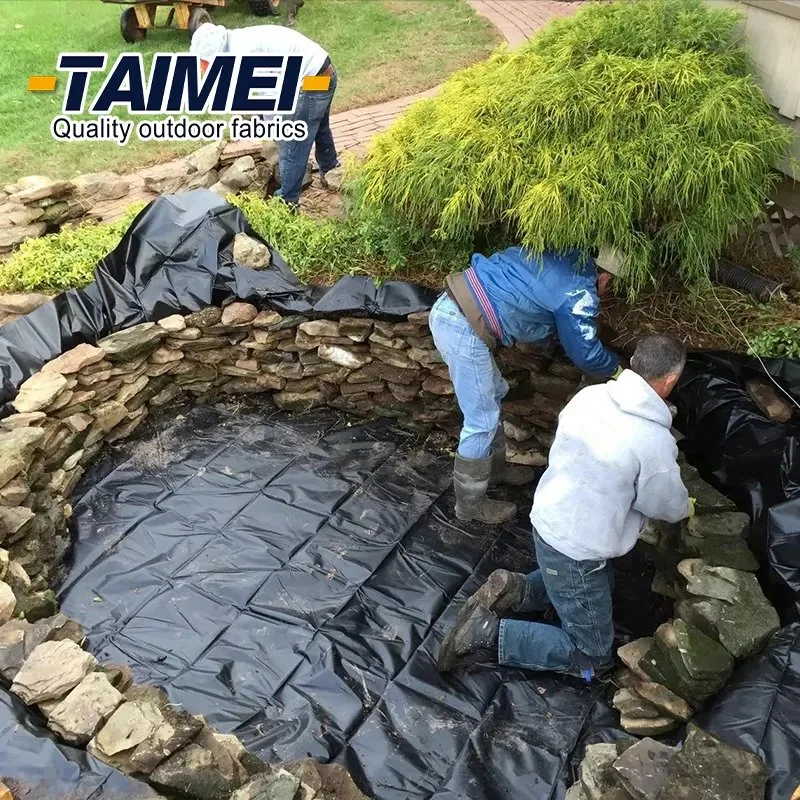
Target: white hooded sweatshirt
(210,40)
(612,465)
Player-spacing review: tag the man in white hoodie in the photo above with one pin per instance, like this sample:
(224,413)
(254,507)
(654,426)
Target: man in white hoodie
(613,465)
(314,107)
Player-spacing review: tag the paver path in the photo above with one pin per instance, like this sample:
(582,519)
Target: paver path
(515,19)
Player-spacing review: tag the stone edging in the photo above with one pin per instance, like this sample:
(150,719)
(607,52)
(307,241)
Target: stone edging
(93,395)
(703,767)
(721,614)
(35,205)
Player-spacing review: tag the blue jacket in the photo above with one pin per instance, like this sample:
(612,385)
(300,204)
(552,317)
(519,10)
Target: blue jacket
(536,298)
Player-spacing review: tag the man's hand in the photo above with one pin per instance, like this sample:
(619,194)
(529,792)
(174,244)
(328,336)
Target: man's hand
(692,502)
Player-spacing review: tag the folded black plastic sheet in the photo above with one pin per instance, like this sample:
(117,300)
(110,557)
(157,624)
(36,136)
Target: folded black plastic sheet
(755,461)
(177,256)
(757,711)
(36,768)
(291,579)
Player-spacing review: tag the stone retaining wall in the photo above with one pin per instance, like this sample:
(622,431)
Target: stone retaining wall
(135,729)
(36,204)
(704,767)
(721,614)
(96,394)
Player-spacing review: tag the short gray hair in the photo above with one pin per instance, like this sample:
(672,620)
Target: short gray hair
(657,356)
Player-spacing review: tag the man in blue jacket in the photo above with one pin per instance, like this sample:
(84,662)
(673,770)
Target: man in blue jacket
(512,296)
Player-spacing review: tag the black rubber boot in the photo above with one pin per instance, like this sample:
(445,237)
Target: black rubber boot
(470,481)
(502,592)
(502,471)
(472,640)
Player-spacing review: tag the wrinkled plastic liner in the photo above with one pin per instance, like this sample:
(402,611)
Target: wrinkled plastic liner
(757,710)
(36,768)
(755,461)
(291,578)
(177,257)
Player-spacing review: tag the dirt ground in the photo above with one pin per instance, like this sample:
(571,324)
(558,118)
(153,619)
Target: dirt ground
(719,318)
(320,203)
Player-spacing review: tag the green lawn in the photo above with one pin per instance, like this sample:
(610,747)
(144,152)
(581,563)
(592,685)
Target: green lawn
(381,48)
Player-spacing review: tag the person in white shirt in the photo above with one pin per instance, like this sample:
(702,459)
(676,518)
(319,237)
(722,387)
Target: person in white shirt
(209,40)
(613,465)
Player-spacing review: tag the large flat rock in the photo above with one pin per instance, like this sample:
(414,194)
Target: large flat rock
(51,670)
(707,768)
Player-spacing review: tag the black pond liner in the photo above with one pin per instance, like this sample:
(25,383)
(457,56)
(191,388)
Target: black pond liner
(754,461)
(290,577)
(757,710)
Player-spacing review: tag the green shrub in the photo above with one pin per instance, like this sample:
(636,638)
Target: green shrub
(636,124)
(63,260)
(365,242)
(781,341)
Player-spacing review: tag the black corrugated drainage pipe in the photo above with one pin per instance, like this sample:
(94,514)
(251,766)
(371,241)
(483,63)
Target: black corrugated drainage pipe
(736,277)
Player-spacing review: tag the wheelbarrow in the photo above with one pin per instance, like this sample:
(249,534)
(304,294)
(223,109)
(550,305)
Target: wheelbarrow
(140,17)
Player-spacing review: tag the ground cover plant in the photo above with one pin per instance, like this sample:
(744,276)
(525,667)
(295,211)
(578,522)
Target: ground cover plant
(382,49)
(637,124)
(63,260)
(781,341)
(364,242)
(319,251)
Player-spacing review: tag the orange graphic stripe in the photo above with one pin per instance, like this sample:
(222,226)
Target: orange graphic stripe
(316,83)
(42,83)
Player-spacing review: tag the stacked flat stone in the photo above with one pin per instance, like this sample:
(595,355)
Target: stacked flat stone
(98,394)
(135,729)
(35,205)
(721,615)
(545,385)
(32,519)
(28,206)
(704,768)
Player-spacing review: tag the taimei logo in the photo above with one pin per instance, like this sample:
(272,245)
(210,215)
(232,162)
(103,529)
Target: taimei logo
(255,92)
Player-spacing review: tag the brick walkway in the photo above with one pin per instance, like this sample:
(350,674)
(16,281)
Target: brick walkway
(516,20)
(353,129)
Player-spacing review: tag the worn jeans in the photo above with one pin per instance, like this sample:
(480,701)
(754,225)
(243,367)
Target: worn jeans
(478,384)
(314,108)
(580,592)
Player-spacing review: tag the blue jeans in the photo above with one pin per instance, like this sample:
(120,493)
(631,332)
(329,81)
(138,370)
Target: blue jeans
(478,384)
(580,592)
(314,108)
